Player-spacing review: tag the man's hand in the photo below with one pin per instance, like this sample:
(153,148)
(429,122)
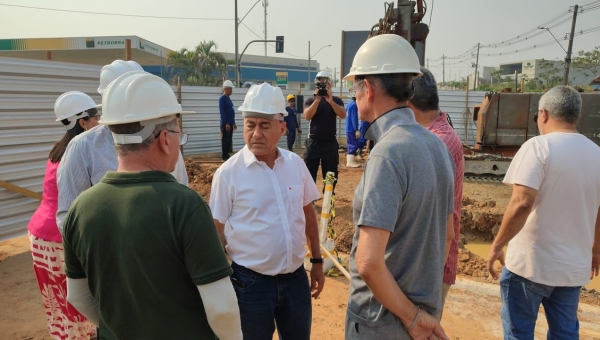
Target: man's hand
(227,127)
(495,254)
(299,130)
(427,327)
(234,127)
(329,98)
(317,279)
(357,134)
(595,265)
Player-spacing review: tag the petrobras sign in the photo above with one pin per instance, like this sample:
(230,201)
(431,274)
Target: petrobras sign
(105,43)
(149,47)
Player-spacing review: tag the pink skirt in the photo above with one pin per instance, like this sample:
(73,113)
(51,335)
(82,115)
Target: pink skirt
(64,321)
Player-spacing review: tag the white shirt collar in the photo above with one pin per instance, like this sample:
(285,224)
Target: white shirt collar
(250,158)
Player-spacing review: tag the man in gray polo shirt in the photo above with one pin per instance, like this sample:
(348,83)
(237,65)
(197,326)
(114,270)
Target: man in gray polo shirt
(402,204)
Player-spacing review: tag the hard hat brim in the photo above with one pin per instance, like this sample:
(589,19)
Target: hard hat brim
(135,120)
(353,74)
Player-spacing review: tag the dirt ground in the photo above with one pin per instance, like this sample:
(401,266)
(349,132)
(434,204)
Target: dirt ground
(471,312)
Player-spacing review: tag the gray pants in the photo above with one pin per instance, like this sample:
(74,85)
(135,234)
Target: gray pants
(392,330)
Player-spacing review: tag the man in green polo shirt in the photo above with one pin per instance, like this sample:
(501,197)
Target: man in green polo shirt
(142,254)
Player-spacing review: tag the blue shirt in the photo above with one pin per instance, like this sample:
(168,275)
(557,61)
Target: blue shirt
(351,117)
(291,120)
(226,110)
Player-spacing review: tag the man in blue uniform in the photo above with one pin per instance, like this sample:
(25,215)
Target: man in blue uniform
(227,119)
(352,134)
(291,121)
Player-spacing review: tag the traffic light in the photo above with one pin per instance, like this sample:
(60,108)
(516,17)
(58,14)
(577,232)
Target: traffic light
(279,44)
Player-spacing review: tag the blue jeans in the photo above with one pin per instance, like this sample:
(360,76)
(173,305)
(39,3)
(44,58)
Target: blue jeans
(266,301)
(521,301)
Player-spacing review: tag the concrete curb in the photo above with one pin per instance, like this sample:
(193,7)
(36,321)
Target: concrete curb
(589,316)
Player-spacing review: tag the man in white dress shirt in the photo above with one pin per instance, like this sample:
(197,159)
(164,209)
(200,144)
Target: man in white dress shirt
(261,200)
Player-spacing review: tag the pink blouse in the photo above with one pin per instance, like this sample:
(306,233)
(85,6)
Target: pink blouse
(43,221)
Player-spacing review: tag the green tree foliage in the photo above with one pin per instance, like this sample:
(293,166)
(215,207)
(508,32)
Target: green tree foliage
(202,66)
(549,73)
(588,62)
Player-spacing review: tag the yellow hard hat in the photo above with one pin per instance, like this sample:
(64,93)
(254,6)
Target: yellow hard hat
(290,96)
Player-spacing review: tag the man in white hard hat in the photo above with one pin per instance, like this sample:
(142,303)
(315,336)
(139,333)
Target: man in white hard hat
(551,224)
(322,111)
(142,253)
(261,199)
(90,155)
(402,205)
(425,104)
(227,120)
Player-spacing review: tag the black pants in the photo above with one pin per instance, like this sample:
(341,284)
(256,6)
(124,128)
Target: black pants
(324,153)
(226,141)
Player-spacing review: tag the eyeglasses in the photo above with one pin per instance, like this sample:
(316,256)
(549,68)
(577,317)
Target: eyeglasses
(182,140)
(322,79)
(358,84)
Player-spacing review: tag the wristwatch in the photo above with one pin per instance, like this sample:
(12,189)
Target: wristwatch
(316,260)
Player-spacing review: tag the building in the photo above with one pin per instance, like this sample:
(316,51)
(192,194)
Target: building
(285,72)
(540,69)
(292,72)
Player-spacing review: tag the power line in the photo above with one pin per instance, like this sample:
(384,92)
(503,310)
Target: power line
(115,14)
(553,22)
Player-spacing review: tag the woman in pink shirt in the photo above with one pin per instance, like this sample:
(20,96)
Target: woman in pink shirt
(77,112)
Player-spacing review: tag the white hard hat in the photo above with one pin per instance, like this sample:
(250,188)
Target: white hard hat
(384,54)
(263,101)
(138,97)
(72,105)
(322,74)
(227,83)
(114,70)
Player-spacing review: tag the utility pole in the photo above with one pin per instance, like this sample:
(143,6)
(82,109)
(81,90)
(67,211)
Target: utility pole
(428,63)
(308,79)
(476,80)
(568,58)
(265,5)
(443,68)
(237,60)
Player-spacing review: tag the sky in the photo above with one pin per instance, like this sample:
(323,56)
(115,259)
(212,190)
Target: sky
(455,26)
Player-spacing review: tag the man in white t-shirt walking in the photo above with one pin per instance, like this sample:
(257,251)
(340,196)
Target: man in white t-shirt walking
(551,222)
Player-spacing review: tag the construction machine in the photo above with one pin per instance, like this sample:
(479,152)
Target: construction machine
(405,20)
(504,120)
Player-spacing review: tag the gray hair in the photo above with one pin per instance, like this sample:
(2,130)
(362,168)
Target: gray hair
(426,92)
(129,128)
(562,103)
(396,85)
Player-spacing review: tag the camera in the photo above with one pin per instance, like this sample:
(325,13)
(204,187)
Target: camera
(322,89)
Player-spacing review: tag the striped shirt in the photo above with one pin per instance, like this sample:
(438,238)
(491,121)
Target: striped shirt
(85,161)
(442,129)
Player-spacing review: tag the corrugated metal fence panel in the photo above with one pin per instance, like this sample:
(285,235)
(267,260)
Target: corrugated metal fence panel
(453,103)
(203,126)
(28,130)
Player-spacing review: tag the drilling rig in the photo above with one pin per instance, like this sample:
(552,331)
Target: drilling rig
(405,20)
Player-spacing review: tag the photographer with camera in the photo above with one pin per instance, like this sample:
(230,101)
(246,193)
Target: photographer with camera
(321,111)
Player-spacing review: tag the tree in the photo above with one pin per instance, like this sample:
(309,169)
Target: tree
(202,66)
(183,63)
(496,76)
(588,61)
(549,73)
(212,65)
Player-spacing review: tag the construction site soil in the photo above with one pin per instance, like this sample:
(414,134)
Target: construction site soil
(472,310)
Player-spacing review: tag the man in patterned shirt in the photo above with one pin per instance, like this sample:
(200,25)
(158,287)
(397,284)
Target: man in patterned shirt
(425,105)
